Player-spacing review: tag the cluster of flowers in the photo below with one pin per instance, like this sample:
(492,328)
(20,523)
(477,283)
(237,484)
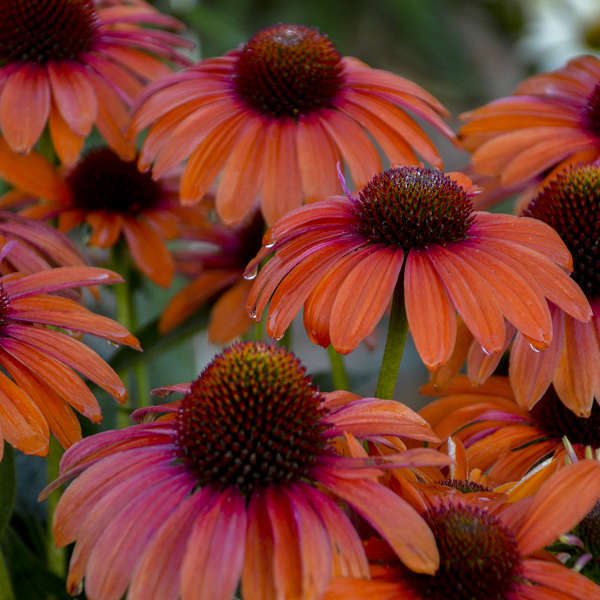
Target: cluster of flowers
(491,492)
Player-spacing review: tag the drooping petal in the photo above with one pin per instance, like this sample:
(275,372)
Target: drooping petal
(214,557)
(24,106)
(431,316)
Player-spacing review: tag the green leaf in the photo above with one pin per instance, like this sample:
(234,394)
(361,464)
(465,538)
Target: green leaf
(8,486)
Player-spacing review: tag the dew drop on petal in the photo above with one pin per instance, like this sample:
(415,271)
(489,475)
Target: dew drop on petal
(250,275)
(269,244)
(536,350)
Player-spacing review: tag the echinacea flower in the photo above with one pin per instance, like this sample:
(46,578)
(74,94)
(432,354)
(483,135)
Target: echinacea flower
(237,480)
(39,387)
(217,268)
(551,121)
(110,195)
(502,438)
(492,553)
(77,63)
(276,116)
(413,229)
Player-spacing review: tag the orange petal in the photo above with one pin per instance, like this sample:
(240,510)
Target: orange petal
(149,251)
(363,297)
(242,175)
(106,228)
(317,159)
(74,96)
(229,317)
(24,106)
(68,145)
(562,501)
(281,185)
(431,315)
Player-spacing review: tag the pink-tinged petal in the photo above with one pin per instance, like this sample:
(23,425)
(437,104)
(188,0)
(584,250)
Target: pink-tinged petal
(208,159)
(471,295)
(74,96)
(59,377)
(531,371)
(407,533)
(354,145)
(17,169)
(515,295)
(317,160)
(258,575)
(242,176)
(431,316)
(347,552)
(560,503)
(106,509)
(558,577)
(363,297)
(149,251)
(281,184)
(577,377)
(71,352)
(24,107)
(215,550)
(287,560)
(313,540)
(97,481)
(318,305)
(526,591)
(372,416)
(158,574)
(57,279)
(117,551)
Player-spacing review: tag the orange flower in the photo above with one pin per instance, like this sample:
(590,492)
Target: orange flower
(39,388)
(111,196)
(276,116)
(343,258)
(217,272)
(502,438)
(570,204)
(551,121)
(74,64)
(492,553)
(235,482)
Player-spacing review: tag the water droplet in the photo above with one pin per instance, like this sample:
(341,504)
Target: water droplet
(486,352)
(250,275)
(270,244)
(252,314)
(536,350)
(277,338)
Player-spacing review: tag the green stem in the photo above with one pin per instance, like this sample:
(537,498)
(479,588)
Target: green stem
(286,340)
(338,370)
(57,558)
(6,590)
(394,345)
(126,315)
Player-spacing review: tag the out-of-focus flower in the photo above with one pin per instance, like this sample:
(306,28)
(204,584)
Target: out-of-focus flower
(550,122)
(234,481)
(558,30)
(111,196)
(78,63)
(492,552)
(217,269)
(344,257)
(502,438)
(275,117)
(39,387)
